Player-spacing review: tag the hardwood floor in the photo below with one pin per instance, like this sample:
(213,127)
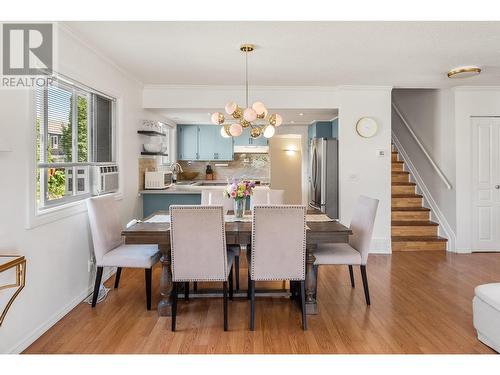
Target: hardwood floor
(421,303)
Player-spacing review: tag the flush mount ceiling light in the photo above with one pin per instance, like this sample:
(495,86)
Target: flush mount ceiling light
(464,72)
(256,117)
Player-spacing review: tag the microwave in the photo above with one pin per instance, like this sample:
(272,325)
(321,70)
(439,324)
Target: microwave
(157,180)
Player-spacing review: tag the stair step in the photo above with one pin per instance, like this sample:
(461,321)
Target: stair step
(417,223)
(397,166)
(402,189)
(406,200)
(403,183)
(400,176)
(406,196)
(414,228)
(418,243)
(411,209)
(412,214)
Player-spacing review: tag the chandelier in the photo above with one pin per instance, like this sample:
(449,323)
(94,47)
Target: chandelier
(256,117)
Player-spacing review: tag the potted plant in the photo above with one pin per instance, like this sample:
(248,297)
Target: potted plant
(239,191)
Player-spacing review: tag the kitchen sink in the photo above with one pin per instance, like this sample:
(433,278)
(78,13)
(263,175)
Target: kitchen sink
(186,183)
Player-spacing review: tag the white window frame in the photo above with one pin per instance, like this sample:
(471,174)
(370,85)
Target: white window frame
(67,206)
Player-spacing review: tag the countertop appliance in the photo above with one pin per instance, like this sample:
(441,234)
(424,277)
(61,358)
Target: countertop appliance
(324,176)
(157,180)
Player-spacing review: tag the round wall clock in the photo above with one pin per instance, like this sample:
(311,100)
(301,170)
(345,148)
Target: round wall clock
(366,127)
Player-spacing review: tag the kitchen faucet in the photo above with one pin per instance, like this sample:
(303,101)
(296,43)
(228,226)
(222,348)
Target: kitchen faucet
(175,168)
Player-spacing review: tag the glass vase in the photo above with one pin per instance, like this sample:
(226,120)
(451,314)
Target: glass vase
(239,208)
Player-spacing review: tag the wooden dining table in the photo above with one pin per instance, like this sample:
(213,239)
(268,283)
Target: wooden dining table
(237,233)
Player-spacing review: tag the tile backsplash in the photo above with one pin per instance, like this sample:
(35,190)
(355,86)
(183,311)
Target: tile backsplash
(254,166)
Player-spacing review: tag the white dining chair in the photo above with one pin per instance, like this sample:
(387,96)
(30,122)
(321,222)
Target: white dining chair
(264,196)
(215,197)
(198,248)
(109,249)
(278,251)
(356,251)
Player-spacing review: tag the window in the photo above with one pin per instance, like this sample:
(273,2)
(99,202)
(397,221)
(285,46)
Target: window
(74,127)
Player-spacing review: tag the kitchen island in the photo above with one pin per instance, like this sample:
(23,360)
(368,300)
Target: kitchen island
(184,192)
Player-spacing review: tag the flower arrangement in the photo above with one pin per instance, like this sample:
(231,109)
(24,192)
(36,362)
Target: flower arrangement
(239,190)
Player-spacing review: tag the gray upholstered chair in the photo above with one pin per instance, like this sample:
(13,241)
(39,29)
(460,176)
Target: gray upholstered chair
(198,247)
(264,196)
(356,251)
(109,249)
(278,249)
(215,197)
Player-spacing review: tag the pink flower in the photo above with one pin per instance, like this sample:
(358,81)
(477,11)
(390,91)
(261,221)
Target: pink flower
(233,194)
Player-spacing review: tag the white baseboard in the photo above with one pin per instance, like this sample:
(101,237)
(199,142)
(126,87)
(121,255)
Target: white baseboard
(380,246)
(441,219)
(39,331)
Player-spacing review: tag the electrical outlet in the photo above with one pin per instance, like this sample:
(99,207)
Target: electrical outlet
(90,263)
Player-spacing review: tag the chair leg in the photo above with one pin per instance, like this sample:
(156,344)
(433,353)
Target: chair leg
(174,305)
(224,286)
(293,289)
(97,286)
(186,291)
(303,304)
(195,286)
(148,274)
(117,276)
(249,283)
(237,272)
(365,284)
(351,275)
(252,305)
(231,284)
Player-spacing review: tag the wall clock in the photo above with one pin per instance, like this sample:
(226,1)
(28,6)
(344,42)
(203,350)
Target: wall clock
(366,127)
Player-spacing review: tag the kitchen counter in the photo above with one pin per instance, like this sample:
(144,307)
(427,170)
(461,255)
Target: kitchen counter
(196,188)
(154,200)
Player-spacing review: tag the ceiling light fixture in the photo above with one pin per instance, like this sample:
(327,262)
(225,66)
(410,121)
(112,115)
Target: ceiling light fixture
(464,72)
(256,117)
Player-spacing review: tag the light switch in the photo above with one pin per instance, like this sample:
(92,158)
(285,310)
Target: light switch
(381,153)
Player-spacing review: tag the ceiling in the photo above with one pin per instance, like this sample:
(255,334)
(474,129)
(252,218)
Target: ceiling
(400,54)
(290,116)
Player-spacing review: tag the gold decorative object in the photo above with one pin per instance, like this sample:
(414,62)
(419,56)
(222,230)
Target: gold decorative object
(8,262)
(254,116)
(255,132)
(464,72)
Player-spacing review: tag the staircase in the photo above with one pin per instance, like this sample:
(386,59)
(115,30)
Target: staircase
(411,227)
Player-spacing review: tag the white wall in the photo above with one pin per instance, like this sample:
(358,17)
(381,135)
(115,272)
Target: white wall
(469,101)
(362,172)
(430,114)
(302,131)
(57,253)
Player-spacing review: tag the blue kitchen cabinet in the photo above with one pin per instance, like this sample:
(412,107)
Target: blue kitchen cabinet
(203,142)
(187,142)
(245,140)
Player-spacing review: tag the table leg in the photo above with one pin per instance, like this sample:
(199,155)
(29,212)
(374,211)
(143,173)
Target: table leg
(165,304)
(311,282)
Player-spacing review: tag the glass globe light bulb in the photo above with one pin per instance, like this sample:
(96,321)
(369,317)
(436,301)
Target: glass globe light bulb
(260,108)
(217,118)
(223,131)
(230,108)
(269,131)
(249,114)
(235,130)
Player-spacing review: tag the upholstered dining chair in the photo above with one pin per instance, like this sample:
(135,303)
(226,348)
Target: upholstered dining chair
(198,248)
(264,196)
(109,249)
(278,251)
(356,251)
(215,197)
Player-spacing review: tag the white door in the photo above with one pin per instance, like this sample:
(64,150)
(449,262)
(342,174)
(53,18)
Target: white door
(486,184)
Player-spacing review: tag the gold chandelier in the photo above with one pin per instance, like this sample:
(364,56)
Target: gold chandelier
(256,117)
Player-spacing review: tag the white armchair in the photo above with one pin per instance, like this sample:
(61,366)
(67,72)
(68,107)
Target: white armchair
(109,248)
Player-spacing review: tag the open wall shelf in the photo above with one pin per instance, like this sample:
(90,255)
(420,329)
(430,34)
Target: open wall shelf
(151,133)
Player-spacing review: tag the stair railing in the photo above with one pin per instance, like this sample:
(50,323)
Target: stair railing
(419,143)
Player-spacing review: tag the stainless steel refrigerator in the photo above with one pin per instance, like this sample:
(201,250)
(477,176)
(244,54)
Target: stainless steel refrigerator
(324,176)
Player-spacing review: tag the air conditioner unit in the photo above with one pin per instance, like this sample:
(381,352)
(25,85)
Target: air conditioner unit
(81,180)
(104,179)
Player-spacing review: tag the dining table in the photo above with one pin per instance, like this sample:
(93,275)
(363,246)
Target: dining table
(155,229)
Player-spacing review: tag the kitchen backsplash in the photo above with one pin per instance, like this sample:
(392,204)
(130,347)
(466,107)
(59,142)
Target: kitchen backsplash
(254,166)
